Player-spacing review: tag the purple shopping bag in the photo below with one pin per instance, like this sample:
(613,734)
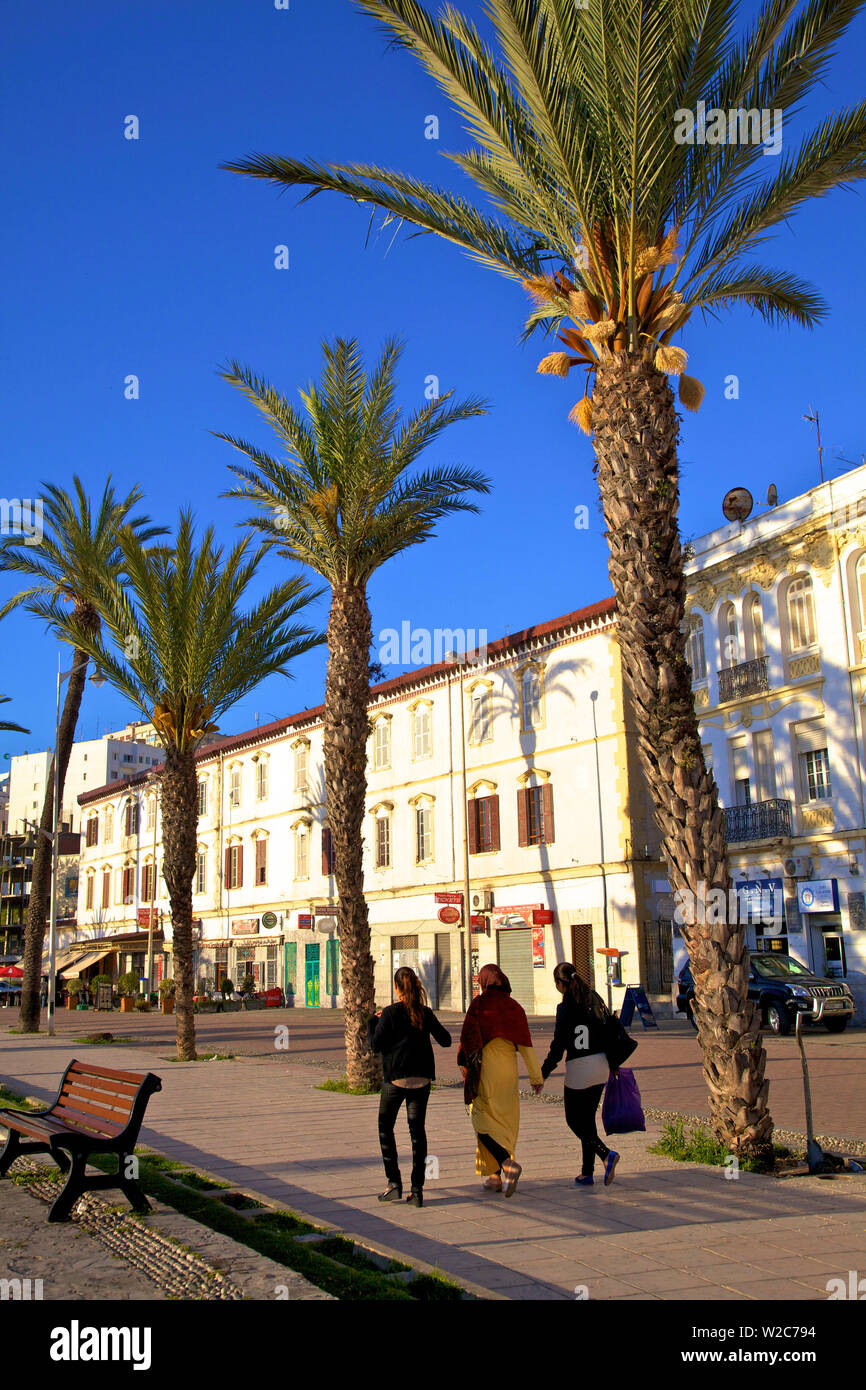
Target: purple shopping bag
(621,1112)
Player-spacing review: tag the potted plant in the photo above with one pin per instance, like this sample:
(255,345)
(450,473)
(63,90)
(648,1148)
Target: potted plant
(73,990)
(141,1004)
(166,995)
(248,990)
(127,987)
(203,1002)
(97,981)
(229,1005)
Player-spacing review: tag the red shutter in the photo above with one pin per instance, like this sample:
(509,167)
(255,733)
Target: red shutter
(547,807)
(522,831)
(327,851)
(494,822)
(472,816)
(261,860)
(227,874)
(106,887)
(240,863)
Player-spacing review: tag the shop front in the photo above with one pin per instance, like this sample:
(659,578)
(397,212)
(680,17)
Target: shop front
(818,901)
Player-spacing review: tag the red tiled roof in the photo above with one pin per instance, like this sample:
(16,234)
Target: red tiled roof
(604,608)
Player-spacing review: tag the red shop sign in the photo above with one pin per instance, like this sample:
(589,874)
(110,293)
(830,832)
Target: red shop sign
(448,898)
(543,917)
(538,946)
(449,915)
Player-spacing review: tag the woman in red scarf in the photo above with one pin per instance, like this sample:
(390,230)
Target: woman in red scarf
(494,1031)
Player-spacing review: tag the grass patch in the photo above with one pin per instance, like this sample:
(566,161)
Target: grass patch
(435,1288)
(693,1142)
(10,1100)
(344,1252)
(341,1085)
(284,1221)
(239,1201)
(205,1057)
(200,1184)
(99,1039)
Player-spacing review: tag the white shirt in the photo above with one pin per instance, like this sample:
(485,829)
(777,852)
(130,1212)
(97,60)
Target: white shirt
(592,1070)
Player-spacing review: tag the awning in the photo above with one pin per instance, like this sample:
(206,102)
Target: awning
(76,967)
(61,958)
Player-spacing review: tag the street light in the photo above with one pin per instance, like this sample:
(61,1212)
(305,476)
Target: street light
(593,695)
(460,660)
(54,835)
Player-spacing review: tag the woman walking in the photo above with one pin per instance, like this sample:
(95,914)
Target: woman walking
(494,1031)
(401,1033)
(581,1033)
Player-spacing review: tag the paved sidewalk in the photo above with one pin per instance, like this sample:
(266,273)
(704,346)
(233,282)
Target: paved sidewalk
(661,1231)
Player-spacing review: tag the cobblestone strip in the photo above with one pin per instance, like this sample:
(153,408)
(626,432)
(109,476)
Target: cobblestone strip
(179,1273)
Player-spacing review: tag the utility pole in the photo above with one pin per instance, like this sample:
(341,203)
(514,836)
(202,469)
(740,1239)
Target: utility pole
(814,419)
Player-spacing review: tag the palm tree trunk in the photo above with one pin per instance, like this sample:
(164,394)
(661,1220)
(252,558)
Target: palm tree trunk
(40,888)
(347,691)
(179,803)
(636,431)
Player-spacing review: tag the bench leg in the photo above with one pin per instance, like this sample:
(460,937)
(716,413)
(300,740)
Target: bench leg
(130,1188)
(73,1188)
(10,1152)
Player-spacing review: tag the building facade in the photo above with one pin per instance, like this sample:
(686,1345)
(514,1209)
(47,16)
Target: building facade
(92,763)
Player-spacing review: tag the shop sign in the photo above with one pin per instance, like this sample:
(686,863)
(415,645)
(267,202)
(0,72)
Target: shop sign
(538,947)
(449,915)
(144,916)
(818,895)
(542,917)
(305,921)
(449,898)
(245,926)
(517,915)
(269,920)
(478,923)
(764,899)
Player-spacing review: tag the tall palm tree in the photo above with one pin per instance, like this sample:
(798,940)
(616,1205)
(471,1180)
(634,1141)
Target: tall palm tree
(610,199)
(79,547)
(342,503)
(183,653)
(7,728)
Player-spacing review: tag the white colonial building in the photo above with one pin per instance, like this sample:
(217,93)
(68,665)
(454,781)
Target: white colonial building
(777,644)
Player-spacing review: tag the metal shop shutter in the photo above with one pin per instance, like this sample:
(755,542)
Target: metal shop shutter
(514,948)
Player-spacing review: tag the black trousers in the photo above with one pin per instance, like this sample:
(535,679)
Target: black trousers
(580,1112)
(390,1099)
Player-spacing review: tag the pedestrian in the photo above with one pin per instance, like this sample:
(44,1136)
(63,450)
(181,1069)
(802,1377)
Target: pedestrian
(43,993)
(495,1029)
(582,1034)
(401,1033)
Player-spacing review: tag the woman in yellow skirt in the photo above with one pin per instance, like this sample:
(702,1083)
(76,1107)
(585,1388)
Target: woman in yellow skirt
(495,1029)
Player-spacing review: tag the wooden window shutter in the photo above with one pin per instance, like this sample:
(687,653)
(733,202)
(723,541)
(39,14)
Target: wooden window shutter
(494,822)
(240,864)
(522,831)
(547,808)
(106,887)
(261,860)
(472,808)
(227,873)
(327,851)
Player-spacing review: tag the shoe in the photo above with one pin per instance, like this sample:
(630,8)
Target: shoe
(393,1193)
(493,1183)
(610,1165)
(511,1171)
(585,1180)
(415,1198)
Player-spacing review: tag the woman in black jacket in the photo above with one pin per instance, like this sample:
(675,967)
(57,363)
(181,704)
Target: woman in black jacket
(581,1033)
(402,1034)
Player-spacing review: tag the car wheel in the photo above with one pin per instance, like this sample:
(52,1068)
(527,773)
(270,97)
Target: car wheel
(777,1020)
(836,1025)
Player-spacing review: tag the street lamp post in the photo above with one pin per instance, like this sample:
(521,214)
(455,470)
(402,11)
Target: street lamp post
(594,698)
(467,906)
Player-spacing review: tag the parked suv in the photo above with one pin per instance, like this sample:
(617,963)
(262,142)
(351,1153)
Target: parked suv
(782,988)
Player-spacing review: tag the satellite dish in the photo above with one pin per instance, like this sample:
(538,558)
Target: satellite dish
(738,504)
(772,495)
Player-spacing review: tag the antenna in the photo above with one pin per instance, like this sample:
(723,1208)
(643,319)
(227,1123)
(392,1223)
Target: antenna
(772,495)
(814,420)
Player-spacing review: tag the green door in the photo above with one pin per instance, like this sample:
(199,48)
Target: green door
(291,970)
(312,976)
(332,966)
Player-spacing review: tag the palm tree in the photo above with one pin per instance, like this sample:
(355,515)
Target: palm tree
(183,653)
(7,728)
(341,503)
(79,547)
(609,202)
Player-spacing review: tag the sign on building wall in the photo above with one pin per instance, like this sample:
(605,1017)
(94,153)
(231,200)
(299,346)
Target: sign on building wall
(818,895)
(517,915)
(538,947)
(245,926)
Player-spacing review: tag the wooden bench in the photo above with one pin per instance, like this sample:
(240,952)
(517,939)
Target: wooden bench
(96,1111)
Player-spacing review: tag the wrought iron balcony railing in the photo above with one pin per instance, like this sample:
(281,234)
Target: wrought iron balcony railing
(761,821)
(748,678)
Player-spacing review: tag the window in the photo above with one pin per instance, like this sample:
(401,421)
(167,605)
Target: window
(302,852)
(88,898)
(130,818)
(109,824)
(756,615)
(695,652)
(531,698)
(422,744)
(327,851)
(261,860)
(93,830)
(201,871)
(423,834)
(801,613)
(480,728)
(483,824)
(535,815)
(382,848)
(261,779)
(235,787)
(743,791)
(148,883)
(234,870)
(106,887)
(382,743)
(202,797)
(128,885)
(816,775)
(302,754)
(860,585)
(729,636)
(150,821)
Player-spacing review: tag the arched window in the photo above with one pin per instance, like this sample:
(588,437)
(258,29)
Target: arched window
(756,623)
(860,574)
(695,652)
(109,824)
(729,636)
(801,613)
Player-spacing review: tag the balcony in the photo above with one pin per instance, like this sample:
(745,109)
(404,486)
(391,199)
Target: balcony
(763,820)
(748,678)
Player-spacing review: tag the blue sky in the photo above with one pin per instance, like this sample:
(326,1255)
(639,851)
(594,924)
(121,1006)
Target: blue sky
(141,257)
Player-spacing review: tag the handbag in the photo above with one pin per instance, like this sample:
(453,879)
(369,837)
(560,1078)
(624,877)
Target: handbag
(618,1044)
(621,1111)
